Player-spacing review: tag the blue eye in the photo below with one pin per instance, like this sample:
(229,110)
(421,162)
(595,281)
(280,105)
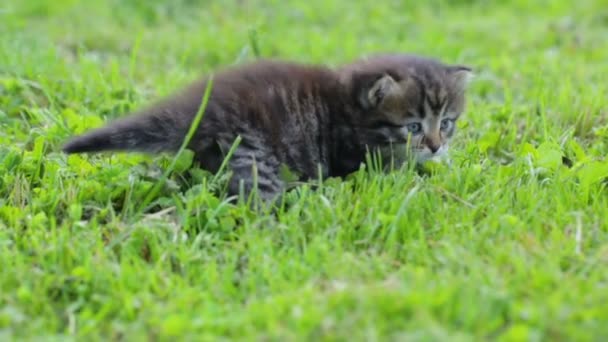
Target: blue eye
(414,127)
(446,124)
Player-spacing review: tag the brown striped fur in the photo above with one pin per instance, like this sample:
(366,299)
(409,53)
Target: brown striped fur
(310,118)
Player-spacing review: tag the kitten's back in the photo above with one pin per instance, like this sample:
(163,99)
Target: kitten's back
(263,93)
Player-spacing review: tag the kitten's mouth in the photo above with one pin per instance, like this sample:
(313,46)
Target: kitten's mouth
(403,152)
(424,155)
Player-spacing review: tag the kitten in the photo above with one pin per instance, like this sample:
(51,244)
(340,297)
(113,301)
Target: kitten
(416,117)
(313,119)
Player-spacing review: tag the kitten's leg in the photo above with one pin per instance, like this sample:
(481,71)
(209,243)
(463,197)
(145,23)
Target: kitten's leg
(255,169)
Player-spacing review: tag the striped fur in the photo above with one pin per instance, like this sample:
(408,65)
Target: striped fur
(309,118)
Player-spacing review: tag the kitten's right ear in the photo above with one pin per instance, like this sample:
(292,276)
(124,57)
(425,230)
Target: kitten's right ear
(371,89)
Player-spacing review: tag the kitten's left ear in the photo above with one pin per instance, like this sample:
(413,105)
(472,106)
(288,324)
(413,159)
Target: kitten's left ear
(372,89)
(460,75)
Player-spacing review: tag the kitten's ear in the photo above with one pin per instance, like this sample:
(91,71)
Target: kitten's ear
(460,75)
(372,89)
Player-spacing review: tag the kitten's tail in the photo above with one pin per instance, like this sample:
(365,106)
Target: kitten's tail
(144,133)
(161,127)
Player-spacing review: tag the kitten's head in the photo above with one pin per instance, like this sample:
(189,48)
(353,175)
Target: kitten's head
(410,104)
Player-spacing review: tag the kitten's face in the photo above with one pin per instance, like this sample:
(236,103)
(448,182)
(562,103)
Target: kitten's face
(412,113)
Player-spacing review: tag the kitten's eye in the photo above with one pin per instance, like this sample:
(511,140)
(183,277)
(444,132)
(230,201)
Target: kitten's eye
(446,124)
(414,128)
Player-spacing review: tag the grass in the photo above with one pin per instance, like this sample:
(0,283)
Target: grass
(510,243)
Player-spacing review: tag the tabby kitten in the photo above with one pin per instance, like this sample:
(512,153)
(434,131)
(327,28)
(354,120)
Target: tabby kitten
(313,119)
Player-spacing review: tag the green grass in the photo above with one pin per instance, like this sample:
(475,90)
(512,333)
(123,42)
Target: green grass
(510,243)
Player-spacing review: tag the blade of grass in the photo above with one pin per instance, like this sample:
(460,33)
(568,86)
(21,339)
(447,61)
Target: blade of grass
(195,123)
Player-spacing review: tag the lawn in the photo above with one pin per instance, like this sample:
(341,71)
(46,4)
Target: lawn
(508,243)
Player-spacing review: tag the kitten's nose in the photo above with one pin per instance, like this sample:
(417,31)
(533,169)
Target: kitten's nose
(434,147)
(433,142)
